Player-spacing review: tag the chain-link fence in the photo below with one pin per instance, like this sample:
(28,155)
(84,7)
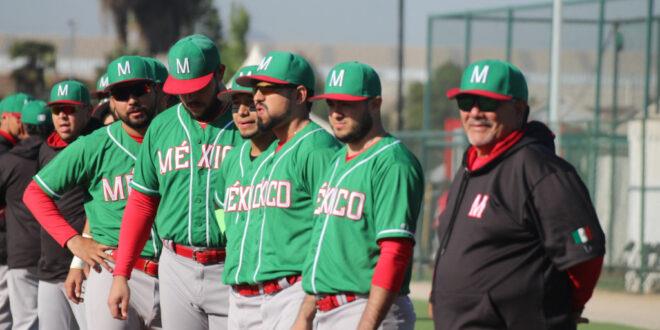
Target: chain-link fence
(609,126)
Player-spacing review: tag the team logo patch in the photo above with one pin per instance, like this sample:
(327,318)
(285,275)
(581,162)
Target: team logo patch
(478,206)
(582,235)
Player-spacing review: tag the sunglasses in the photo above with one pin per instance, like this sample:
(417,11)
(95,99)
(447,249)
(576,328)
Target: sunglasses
(236,107)
(123,93)
(67,109)
(467,102)
(274,88)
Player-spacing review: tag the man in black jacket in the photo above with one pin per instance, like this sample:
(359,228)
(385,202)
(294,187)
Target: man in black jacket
(16,170)
(520,243)
(10,109)
(71,114)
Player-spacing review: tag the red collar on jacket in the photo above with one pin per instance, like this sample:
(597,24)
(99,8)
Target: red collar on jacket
(55,141)
(475,162)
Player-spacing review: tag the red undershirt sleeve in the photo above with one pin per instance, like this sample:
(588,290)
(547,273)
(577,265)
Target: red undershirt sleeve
(136,223)
(47,214)
(583,278)
(395,256)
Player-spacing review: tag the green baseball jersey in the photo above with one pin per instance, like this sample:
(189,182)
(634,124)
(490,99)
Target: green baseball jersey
(178,161)
(239,175)
(102,162)
(285,203)
(373,196)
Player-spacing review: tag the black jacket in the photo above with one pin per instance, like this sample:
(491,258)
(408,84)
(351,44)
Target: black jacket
(16,170)
(55,260)
(5,146)
(506,239)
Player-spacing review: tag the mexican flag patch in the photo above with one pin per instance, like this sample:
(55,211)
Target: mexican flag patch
(582,235)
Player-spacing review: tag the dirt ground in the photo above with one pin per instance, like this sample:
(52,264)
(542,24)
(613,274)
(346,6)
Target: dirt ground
(641,311)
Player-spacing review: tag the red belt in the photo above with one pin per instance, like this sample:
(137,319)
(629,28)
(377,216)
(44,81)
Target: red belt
(204,256)
(331,302)
(268,287)
(147,266)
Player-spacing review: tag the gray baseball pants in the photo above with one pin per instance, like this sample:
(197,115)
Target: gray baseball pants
(55,311)
(144,307)
(276,311)
(400,317)
(23,291)
(192,295)
(5,311)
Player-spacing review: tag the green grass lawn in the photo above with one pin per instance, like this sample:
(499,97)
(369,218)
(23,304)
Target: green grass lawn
(425,323)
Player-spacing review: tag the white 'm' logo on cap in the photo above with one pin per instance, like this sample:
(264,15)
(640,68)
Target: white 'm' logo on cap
(104,81)
(337,79)
(62,90)
(479,77)
(249,73)
(126,69)
(265,62)
(182,68)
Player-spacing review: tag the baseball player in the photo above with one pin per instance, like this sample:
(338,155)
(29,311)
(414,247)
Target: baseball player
(101,110)
(10,108)
(275,233)
(358,264)
(103,163)
(522,247)
(240,169)
(160,76)
(178,161)
(16,170)
(69,108)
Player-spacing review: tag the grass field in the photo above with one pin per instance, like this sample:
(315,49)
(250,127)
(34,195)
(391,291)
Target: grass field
(425,323)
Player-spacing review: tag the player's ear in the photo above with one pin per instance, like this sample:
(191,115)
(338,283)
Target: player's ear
(302,94)
(375,102)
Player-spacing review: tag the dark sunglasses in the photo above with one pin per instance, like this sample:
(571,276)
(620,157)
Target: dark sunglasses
(274,88)
(236,107)
(123,93)
(67,109)
(467,102)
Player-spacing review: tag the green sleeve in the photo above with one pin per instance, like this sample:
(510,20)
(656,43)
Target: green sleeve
(69,168)
(145,178)
(398,191)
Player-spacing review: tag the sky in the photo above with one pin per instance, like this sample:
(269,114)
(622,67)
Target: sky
(316,21)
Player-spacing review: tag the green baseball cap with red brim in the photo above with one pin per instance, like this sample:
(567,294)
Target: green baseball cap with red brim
(233,87)
(71,92)
(495,79)
(36,113)
(282,68)
(159,69)
(14,103)
(192,61)
(350,81)
(128,69)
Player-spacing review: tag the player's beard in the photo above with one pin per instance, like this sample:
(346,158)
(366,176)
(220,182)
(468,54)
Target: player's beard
(274,121)
(364,125)
(139,123)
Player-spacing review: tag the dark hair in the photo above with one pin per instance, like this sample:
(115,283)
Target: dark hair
(39,130)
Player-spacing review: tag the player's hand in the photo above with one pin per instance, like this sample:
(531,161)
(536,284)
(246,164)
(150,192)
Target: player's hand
(73,285)
(91,252)
(86,270)
(430,310)
(118,299)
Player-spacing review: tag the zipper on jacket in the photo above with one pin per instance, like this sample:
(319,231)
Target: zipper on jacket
(457,206)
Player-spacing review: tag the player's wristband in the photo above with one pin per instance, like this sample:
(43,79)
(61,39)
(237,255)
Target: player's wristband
(87,235)
(77,263)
